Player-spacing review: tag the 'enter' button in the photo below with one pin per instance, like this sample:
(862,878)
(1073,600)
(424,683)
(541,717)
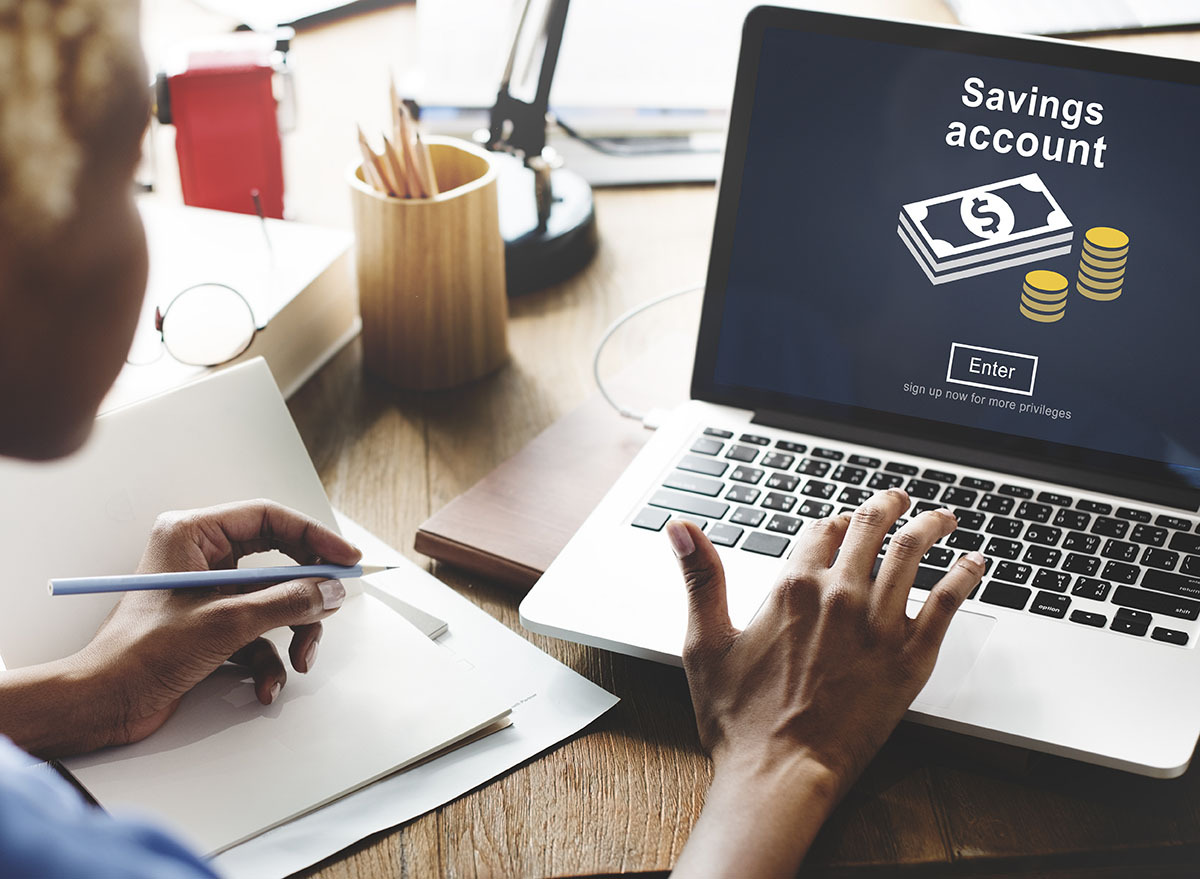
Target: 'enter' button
(991,368)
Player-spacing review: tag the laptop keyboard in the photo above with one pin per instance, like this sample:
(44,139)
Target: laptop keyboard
(1050,553)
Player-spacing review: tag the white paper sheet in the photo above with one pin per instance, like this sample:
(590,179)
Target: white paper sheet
(551,703)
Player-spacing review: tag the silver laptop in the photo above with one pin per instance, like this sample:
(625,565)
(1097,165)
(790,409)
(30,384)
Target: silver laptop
(965,265)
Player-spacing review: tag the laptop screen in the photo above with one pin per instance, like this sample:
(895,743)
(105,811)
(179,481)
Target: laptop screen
(974,239)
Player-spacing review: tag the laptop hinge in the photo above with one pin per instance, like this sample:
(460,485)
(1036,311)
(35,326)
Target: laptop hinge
(1105,483)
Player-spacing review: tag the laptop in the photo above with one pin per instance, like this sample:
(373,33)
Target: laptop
(962,264)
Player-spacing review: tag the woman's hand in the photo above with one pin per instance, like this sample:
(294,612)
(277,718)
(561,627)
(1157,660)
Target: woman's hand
(793,708)
(156,645)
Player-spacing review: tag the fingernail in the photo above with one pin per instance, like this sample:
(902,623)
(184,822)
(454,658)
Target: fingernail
(275,688)
(681,540)
(977,557)
(333,593)
(310,658)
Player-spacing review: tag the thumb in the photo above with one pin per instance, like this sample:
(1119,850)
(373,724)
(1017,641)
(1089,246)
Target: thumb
(294,603)
(704,577)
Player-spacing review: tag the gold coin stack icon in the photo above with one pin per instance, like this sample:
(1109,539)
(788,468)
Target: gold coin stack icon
(1102,265)
(1044,296)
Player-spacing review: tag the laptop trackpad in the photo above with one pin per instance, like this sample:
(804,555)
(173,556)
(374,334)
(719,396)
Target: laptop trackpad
(964,639)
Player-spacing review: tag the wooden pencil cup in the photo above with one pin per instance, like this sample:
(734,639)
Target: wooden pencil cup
(431,274)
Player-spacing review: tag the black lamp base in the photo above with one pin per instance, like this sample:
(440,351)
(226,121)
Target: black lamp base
(538,257)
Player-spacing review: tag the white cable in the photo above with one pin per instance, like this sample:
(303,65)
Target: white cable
(612,328)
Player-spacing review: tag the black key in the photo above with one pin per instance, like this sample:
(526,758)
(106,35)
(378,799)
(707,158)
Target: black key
(973,482)
(824,490)
(1004,527)
(1130,626)
(754,439)
(815,510)
(1043,534)
(1166,559)
(827,454)
(776,501)
(1081,564)
(1191,565)
(784,524)
(938,476)
(926,490)
(1055,581)
(1120,572)
(1050,497)
(1077,541)
(845,510)
(1089,619)
(854,496)
(783,481)
(1016,491)
(993,503)
(1048,604)
(1110,527)
(706,466)
(902,469)
(1002,549)
(1148,534)
(718,432)
(650,519)
(1173,522)
(1033,512)
(965,540)
(864,461)
(1094,507)
(724,535)
(954,496)
(1189,543)
(1088,587)
(742,494)
(809,467)
(789,446)
(1131,614)
(969,519)
(705,446)
(1171,636)
(852,475)
(685,503)
(702,524)
(748,516)
(1175,584)
(742,453)
(938,555)
(1133,515)
(685,481)
(1013,572)
(765,544)
(1119,550)
(923,507)
(1042,556)
(885,480)
(1072,519)
(746,474)
(1157,602)
(1006,595)
(778,460)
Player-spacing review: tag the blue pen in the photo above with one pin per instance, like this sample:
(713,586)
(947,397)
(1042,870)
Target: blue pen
(207,579)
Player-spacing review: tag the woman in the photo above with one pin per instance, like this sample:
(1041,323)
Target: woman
(791,709)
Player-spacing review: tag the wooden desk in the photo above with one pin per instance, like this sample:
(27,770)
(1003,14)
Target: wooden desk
(623,796)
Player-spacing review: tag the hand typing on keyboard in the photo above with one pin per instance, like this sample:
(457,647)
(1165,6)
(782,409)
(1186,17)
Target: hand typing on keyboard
(795,706)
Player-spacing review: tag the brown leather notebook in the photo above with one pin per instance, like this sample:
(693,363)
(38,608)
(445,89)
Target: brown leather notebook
(511,524)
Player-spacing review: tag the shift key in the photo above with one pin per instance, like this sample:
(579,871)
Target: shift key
(683,503)
(1156,602)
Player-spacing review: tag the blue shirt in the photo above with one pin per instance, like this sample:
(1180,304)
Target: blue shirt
(48,831)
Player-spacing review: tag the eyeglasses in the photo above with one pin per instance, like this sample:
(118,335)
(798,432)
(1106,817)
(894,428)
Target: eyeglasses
(204,325)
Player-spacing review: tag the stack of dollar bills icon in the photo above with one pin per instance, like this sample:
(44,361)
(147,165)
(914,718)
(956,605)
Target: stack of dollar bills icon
(1102,263)
(985,229)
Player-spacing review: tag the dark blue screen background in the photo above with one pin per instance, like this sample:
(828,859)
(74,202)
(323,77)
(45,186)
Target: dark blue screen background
(824,301)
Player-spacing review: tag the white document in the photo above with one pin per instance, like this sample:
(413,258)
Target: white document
(550,701)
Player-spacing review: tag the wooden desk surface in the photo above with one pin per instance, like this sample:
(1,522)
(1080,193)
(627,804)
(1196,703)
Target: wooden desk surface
(623,796)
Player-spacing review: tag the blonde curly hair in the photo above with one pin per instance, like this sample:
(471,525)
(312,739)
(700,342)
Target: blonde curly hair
(59,61)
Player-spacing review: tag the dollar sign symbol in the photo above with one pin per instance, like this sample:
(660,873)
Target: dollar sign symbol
(989,216)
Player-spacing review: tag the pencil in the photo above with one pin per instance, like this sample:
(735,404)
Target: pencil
(426,164)
(379,179)
(207,579)
(393,159)
(408,145)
